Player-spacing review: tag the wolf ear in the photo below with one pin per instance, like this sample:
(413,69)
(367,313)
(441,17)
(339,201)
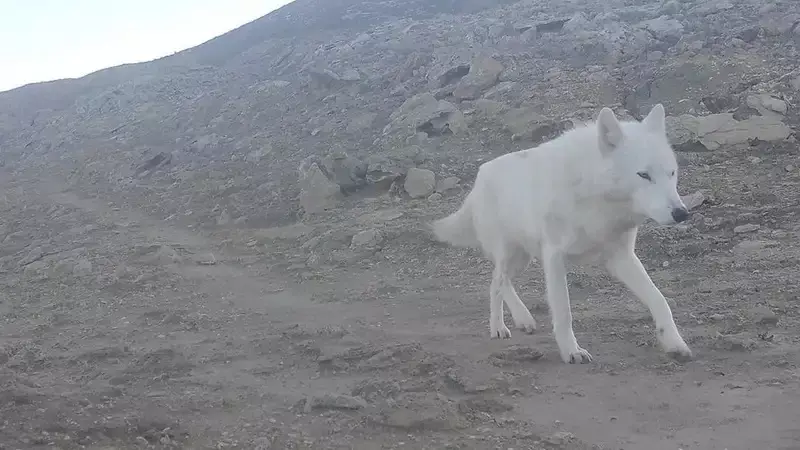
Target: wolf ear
(609,132)
(655,120)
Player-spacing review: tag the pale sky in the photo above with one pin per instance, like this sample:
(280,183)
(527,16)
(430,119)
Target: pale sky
(43,40)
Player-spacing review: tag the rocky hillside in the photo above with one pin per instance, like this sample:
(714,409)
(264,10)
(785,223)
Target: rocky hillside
(321,102)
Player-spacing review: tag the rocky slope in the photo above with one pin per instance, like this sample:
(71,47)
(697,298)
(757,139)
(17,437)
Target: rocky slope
(384,87)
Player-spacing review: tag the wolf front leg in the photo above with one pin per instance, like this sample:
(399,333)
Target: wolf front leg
(555,275)
(626,267)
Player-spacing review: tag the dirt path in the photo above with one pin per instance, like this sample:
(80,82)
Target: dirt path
(165,346)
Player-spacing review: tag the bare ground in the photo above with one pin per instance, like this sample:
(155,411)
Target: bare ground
(173,338)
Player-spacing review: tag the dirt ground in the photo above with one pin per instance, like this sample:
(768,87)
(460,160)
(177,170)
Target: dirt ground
(119,331)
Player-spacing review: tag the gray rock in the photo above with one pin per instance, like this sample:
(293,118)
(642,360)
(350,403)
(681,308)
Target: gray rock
(334,401)
(415,412)
(767,105)
(664,28)
(317,192)
(366,239)
(350,75)
(688,132)
(483,74)
(693,200)
(419,182)
(447,184)
(82,267)
(795,83)
(424,113)
(323,78)
(746,228)
(763,315)
(346,171)
(527,125)
(34,254)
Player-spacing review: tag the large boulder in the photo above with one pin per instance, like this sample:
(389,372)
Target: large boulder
(708,133)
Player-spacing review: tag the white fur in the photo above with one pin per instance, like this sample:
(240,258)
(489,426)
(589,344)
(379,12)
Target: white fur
(576,198)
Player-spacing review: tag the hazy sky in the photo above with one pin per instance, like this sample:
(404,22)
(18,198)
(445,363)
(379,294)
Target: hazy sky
(42,40)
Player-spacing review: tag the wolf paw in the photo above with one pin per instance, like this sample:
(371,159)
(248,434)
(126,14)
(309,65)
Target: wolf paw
(527,325)
(500,332)
(576,356)
(680,354)
(676,348)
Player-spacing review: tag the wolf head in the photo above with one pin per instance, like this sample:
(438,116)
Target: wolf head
(643,164)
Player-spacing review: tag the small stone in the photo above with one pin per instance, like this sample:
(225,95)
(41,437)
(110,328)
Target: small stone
(419,182)
(366,239)
(766,102)
(795,83)
(447,184)
(764,316)
(789,168)
(735,343)
(561,438)
(82,267)
(207,260)
(34,255)
(335,401)
(435,197)
(693,200)
(746,228)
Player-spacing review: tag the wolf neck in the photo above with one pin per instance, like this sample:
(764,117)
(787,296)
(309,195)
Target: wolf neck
(602,188)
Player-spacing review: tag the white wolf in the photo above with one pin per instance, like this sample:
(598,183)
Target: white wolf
(576,198)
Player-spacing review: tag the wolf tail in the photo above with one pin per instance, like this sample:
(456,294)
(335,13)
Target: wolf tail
(457,229)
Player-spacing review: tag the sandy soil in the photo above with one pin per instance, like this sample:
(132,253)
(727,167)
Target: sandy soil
(119,331)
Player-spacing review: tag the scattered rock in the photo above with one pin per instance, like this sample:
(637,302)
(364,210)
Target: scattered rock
(33,255)
(561,438)
(435,197)
(735,343)
(764,316)
(82,267)
(483,404)
(447,184)
(366,239)
(693,200)
(256,156)
(795,83)
(664,29)
(207,259)
(224,218)
(767,105)
(528,125)
(317,192)
(424,113)
(422,412)
(419,182)
(334,401)
(483,74)
(708,133)
(348,172)
(323,78)
(746,228)
(159,160)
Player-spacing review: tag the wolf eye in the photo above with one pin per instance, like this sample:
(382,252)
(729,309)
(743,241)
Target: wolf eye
(644,175)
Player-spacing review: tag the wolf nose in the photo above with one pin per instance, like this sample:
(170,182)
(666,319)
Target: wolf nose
(680,214)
